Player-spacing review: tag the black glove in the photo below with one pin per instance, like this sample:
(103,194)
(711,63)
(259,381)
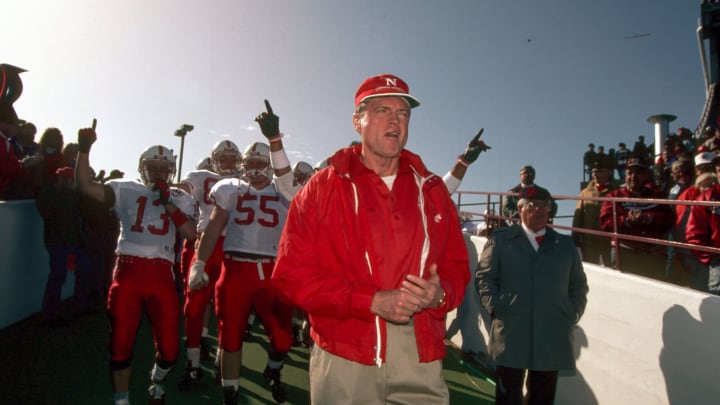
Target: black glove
(163,190)
(86,137)
(269,122)
(474,148)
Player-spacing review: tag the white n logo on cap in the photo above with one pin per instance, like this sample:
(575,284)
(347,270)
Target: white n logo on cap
(389,81)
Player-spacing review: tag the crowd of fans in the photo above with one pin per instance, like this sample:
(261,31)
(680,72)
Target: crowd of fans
(687,169)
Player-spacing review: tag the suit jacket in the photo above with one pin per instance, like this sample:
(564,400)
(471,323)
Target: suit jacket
(534,298)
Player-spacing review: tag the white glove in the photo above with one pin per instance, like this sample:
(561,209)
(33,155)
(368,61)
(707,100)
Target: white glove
(198,278)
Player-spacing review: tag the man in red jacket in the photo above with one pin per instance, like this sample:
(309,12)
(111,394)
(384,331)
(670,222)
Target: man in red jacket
(372,250)
(638,218)
(703,228)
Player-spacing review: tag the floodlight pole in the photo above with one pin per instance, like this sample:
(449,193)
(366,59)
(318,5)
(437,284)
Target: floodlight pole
(181,132)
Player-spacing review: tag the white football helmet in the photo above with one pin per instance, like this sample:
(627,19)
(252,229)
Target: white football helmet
(226,151)
(205,164)
(252,161)
(302,172)
(321,165)
(156,154)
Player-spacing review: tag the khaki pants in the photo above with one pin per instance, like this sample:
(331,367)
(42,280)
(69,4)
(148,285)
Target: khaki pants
(401,380)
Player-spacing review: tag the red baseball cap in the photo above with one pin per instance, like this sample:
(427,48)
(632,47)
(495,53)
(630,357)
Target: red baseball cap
(382,86)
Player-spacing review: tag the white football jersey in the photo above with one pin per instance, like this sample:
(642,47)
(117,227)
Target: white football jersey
(200,182)
(146,229)
(285,185)
(257,217)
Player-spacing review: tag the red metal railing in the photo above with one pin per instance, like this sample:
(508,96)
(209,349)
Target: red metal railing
(492,201)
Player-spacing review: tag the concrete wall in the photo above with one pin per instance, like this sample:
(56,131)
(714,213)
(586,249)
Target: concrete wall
(640,341)
(24,264)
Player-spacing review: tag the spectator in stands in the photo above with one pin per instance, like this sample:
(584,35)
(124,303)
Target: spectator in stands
(663,163)
(509,202)
(69,153)
(704,163)
(594,248)
(11,167)
(682,262)
(601,156)
(713,143)
(641,150)
(25,185)
(705,182)
(703,228)
(621,156)
(102,229)
(58,205)
(646,219)
(707,134)
(683,176)
(25,144)
(588,159)
(531,280)
(51,146)
(685,138)
(611,160)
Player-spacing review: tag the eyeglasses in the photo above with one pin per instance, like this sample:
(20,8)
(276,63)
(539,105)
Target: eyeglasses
(537,204)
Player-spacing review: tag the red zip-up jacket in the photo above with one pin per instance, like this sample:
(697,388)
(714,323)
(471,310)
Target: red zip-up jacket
(703,226)
(326,256)
(663,217)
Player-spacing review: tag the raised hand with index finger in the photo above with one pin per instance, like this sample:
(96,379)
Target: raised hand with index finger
(269,123)
(474,148)
(86,137)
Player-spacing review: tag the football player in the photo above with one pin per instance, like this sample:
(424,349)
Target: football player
(225,163)
(302,171)
(252,211)
(204,164)
(150,214)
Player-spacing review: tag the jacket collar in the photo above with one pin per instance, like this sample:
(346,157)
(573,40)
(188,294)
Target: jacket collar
(346,162)
(517,231)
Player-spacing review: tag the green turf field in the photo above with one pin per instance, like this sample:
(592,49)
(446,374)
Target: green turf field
(69,365)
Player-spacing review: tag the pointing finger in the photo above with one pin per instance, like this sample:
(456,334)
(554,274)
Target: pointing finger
(268,108)
(477,136)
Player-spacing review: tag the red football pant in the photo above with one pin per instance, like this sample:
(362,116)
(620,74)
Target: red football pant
(240,289)
(137,282)
(196,301)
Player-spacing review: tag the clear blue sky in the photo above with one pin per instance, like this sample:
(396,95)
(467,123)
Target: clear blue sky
(544,78)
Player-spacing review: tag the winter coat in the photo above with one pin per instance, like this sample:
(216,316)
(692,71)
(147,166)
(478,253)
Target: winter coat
(325,261)
(534,298)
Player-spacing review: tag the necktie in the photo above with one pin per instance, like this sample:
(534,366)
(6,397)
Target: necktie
(539,239)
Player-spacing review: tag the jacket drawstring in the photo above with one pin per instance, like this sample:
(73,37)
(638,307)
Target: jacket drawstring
(421,204)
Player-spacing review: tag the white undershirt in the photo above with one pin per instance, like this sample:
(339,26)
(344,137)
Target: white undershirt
(389,180)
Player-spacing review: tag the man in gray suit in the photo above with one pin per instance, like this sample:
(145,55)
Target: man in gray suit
(531,281)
